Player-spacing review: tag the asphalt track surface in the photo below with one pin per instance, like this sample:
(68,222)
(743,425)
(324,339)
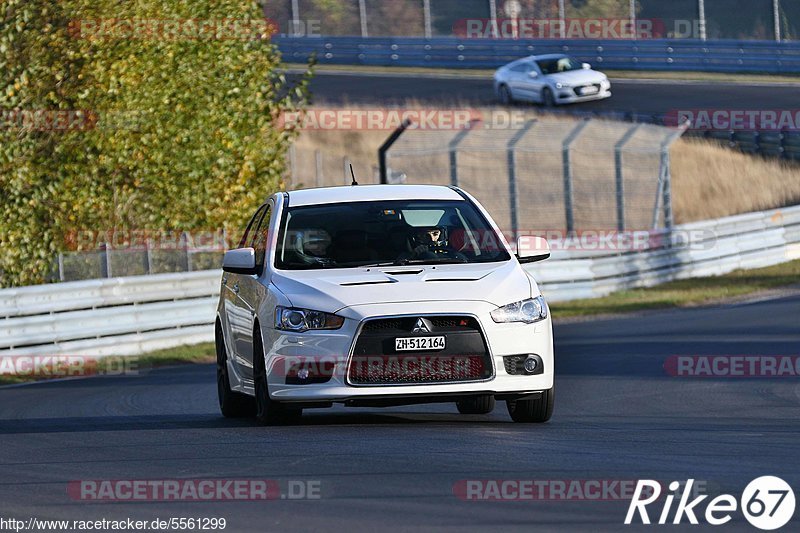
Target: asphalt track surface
(629,96)
(618,416)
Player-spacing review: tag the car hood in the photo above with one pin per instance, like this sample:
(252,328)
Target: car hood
(333,290)
(578,77)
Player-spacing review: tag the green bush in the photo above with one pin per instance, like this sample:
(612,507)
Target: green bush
(166,132)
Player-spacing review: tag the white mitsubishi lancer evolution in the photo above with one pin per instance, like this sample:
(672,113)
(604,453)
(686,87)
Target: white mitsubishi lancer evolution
(379,296)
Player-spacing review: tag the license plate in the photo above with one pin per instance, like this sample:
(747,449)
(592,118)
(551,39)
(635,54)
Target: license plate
(589,90)
(413,344)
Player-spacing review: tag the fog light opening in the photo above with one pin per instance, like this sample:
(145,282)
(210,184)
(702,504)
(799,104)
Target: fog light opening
(530,365)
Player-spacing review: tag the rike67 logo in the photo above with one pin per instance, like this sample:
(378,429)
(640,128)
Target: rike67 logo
(768,503)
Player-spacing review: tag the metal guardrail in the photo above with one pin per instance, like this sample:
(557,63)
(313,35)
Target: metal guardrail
(127,316)
(646,55)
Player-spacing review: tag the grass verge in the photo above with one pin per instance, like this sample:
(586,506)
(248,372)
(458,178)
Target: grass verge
(685,293)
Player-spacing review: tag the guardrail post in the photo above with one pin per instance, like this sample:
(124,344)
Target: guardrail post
(460,136)
(512,174)
(620,175)
(383,151)
(565,156)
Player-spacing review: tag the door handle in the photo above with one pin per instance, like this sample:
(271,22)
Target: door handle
(236,288)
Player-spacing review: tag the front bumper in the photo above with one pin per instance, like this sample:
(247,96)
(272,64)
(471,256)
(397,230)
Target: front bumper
(333,350)
(564,96)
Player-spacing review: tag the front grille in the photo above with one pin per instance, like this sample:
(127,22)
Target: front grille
(442,324)
(376,362)
(579,90)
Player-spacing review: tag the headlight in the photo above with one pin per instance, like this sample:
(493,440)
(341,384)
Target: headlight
(290,319)
(562,86)
(527,311)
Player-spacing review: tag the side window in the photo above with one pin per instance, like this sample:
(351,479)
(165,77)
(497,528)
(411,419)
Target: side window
(522,68)
(251,227)
(260,240)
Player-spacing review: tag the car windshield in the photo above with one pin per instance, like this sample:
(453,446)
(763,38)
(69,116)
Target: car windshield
(386,233)
(558,64)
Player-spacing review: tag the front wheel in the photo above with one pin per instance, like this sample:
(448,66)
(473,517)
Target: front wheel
(547,97)
(268,411)
(476,405)
(506,98)
(532,411)
(231,404)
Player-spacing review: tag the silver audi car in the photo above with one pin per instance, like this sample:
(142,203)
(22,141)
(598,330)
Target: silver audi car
(550,80)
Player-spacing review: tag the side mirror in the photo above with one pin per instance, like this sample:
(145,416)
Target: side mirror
(241,261)
(532,249)
(586,66)
(533,74)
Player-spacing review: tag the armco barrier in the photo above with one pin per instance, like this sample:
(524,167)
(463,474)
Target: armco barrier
(646,55)
(126,316)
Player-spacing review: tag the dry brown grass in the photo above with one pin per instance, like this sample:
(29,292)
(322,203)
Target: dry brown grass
(709,180)
(712,181)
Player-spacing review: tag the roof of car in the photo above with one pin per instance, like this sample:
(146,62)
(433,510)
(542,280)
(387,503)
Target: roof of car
(369,193)
(548,56)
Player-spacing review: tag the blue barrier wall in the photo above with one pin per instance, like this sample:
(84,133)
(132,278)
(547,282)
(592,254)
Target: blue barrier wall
(692,55)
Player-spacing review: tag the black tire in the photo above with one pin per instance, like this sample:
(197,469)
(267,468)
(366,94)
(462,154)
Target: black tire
(532,411)
(476,405)
(548,100)
(231,404)
(268,411)
(506,98)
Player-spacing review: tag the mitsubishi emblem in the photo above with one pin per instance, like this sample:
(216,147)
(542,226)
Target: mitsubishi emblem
(421,326)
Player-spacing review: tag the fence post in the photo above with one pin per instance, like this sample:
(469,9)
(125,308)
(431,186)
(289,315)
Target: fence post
(493,17)
(295,18)
(634,20)
(426,7)
(701,8)
(292,163)
(512,174)
(346,168)
(105,267)
(362,10)
(318,158)
(562,18)
(453,147)
(776,11)
(383,151)
(620,176)
(664,193)
(61,266)
(565,156)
